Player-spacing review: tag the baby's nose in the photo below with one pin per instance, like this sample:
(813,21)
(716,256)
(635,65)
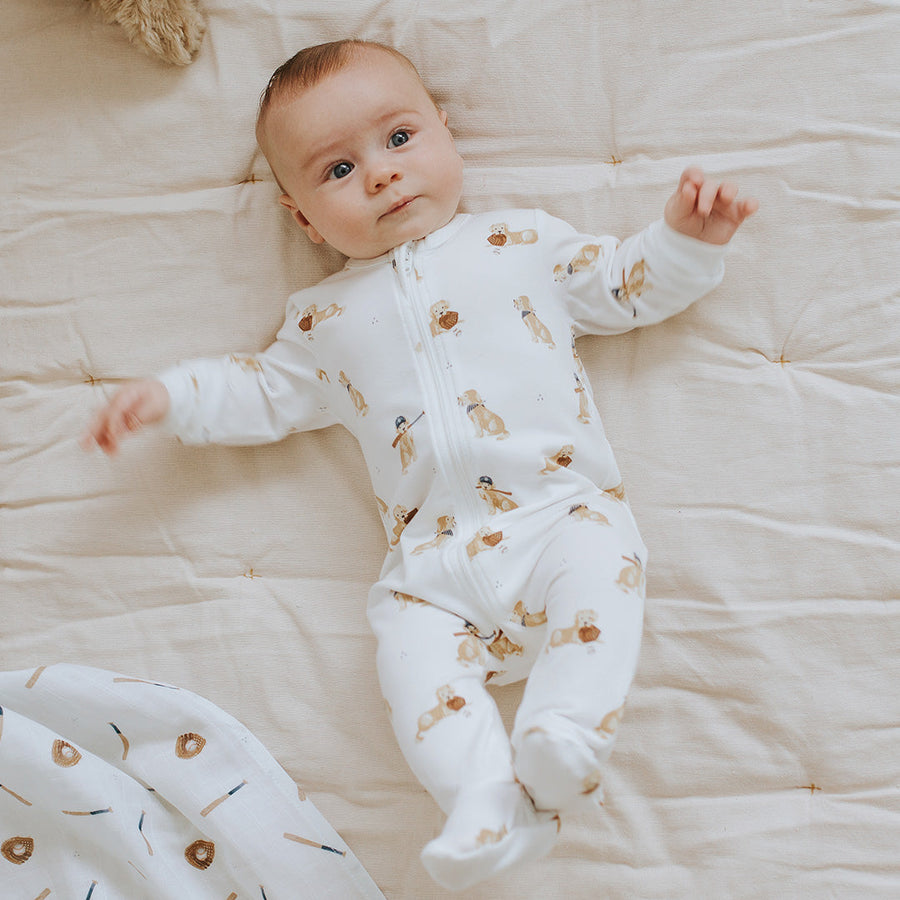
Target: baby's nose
(380,176)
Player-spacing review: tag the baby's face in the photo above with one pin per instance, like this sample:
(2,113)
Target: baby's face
(365,157)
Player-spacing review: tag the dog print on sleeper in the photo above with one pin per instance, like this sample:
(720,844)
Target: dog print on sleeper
(486,423)
(562,459)
(444,531)
(402,518)
(404,440)
(584,631)
(583,261)
(484,539)
(359,402)
(501,236)
(584,513)
(449,704)
(497,501)
(631,578)
(540,334)
(632,286)
(312,316)
(443,319)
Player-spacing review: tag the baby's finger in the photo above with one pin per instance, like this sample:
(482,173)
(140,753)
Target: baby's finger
(682,202)
(686,198)
(87,441)
(124,418)
(727,192)
(94,433)
(693,174)
(747,207)
(109,433)
(706,197)
(111,423)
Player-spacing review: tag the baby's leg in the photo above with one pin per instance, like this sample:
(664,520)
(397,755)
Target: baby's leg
(592,576)
(432,672)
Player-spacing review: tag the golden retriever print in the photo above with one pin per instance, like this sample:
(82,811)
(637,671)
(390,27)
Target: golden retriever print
(322,375)
(359,402)
(486,836)
(562,459)
(501,236)
(610,724)
(584,406)
(404,440)
(501,647)
(485,422)
(312,316)
(445,526)
(617,492)
(583,261)
(443,318)
(540,334)
(402,518)
(497,500)
(471,651)
(632,286)
(484,539)
(631,578)
(584,631)
(448,705)
(584,513)
(250,363)
(591,783)
(406,599)
(529,620)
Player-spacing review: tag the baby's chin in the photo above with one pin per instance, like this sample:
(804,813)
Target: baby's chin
(412,223)
(415,228)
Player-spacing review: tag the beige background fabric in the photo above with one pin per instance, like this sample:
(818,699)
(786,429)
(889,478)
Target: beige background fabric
(758,432)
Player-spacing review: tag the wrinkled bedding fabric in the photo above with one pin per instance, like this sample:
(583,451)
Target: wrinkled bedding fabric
(757,431)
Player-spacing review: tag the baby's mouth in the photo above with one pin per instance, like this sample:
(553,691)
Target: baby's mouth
(400,205)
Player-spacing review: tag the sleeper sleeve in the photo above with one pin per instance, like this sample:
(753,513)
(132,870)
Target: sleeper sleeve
(611,287)
(247,399)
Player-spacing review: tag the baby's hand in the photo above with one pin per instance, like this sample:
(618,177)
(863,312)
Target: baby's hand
(707,210)
(136,404)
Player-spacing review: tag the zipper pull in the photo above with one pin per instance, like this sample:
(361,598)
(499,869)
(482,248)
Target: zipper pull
(403,255)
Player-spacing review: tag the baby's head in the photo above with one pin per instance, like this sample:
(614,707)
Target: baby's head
(361,151)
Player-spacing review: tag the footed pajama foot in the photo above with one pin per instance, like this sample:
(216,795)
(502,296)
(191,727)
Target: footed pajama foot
(491,828)
(560,772)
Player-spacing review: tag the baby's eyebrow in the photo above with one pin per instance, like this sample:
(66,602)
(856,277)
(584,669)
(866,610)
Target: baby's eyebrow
(336,149)
(319,156)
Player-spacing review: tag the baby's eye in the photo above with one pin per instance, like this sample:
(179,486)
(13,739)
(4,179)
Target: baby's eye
(341,170)
(399,138)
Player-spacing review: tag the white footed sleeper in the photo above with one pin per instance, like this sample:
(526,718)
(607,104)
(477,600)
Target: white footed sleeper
(512,552)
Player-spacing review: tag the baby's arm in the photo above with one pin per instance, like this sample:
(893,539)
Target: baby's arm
(136,404)
(658,272)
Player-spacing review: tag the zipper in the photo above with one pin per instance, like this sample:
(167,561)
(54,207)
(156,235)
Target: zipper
(451,448)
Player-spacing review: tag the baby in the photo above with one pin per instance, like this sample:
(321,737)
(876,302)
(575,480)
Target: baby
(446,345)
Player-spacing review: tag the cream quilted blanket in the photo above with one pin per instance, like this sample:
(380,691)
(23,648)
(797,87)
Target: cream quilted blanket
(758,433)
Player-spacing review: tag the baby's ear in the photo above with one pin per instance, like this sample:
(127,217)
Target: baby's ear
(300,219)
